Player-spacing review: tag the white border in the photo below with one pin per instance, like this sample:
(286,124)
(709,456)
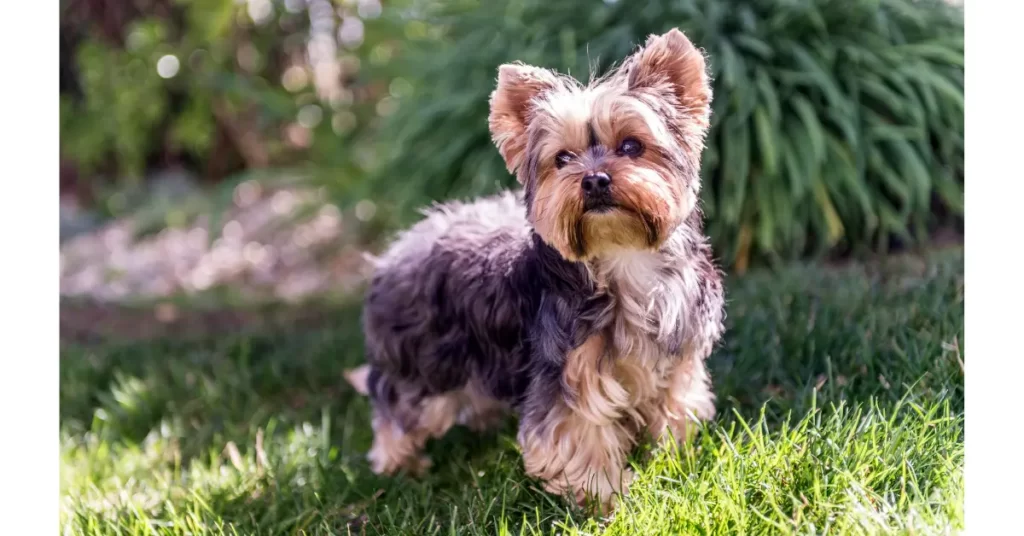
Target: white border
(29,448)
(29,226)
(995,205)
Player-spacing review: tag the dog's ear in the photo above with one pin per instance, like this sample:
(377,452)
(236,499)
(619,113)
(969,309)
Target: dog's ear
(670,64)
(512,104)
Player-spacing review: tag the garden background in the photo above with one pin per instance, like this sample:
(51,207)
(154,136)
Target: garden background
(226,164)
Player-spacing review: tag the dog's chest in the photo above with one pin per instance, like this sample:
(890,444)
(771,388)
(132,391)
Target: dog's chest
(651,295)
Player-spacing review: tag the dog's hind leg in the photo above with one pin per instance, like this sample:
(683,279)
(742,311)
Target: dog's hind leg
(479,411)
(400,432)
(403,421)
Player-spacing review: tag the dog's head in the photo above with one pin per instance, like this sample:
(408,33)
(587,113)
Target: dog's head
(614,164)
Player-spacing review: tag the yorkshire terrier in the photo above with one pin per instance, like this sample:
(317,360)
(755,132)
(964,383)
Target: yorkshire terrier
(587,303)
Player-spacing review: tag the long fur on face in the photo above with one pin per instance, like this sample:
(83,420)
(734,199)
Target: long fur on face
(659,97)
(593,327)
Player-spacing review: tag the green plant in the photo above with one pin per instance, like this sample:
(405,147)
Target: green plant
(123,100)
(837,123)
(220,86)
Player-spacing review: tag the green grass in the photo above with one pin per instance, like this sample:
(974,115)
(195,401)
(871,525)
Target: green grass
(841,408)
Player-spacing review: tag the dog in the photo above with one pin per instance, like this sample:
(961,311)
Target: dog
(586,302)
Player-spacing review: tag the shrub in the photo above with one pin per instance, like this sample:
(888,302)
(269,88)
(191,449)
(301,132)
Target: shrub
(836,124)
(218,85)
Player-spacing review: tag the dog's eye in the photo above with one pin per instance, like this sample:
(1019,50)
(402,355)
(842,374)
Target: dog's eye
(631,147)
(562,158)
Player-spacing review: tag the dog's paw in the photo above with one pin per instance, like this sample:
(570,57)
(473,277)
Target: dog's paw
(606,497)
(382,464)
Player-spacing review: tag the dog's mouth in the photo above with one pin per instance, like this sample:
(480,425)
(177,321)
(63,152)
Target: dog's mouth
(615,222)
(599,204)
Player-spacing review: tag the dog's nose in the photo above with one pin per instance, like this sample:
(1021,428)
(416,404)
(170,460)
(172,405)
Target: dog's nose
(596,183)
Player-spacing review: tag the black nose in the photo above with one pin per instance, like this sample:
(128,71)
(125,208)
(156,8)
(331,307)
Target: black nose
(596,183)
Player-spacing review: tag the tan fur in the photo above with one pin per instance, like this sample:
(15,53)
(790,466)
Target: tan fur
(555,211)
(606,232)
(613,395)
(640,185)
(395,449)
(676,396)
(479,411)
(563,115)
(633,388)
(595,396)
(619,382)
(670,60)
(572,454)
(582,446)
(511,106)
(686,401)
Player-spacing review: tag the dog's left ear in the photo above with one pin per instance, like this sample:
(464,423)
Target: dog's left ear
(670,64)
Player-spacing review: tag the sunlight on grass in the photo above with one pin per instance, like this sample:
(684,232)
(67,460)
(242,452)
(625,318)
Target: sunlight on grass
(840,412)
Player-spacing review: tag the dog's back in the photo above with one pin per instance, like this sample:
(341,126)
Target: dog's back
(442,311)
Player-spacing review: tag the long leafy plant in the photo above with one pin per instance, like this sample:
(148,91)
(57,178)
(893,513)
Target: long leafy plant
(836,124)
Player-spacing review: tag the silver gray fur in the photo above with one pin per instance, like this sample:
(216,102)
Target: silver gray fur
(471,293)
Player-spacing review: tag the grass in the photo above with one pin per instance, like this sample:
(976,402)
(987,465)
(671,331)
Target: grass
(841,408)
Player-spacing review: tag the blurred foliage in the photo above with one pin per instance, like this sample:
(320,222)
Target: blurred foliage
(838,124)
(221,85)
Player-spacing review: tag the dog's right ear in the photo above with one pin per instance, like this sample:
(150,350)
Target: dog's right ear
(512,103)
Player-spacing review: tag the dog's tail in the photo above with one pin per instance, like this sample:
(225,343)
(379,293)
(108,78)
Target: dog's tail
(359,378)
(371,260)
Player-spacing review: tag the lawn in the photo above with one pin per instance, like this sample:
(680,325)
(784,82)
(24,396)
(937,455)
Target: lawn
(841,411)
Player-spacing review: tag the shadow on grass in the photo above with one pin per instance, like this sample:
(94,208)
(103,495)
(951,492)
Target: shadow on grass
(795,338)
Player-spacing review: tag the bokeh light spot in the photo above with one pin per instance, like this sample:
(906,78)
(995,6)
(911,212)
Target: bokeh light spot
(416,30)
(351,32)
(249,57)
(365,210)
(369,9)
(260,11)
(399,88)
(343,122)
(168,66)
(387,106)
(295,78)
(380,55)
(310,116)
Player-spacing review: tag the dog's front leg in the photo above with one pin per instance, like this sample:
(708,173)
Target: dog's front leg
(575,434)
(570,454)
(686,401)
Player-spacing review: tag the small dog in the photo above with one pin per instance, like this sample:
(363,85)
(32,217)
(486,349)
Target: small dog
(587,303)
